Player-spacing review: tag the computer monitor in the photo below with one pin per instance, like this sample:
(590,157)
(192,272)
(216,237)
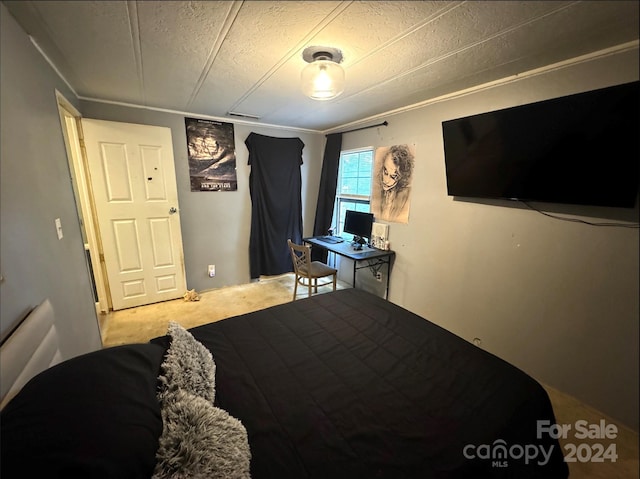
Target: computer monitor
(358,224)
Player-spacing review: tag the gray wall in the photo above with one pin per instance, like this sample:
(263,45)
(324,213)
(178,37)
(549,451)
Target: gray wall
(557,299)
(35,189)
(216,224)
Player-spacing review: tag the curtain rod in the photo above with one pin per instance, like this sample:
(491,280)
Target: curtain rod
(384,123)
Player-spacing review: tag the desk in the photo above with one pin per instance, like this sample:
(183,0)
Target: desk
(374,257)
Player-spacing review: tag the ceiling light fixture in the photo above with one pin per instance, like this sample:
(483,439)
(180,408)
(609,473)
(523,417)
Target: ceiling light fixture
(323,77)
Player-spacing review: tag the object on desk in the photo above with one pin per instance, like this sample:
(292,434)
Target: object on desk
(387,245)
(361,240)
(331,239)
(358,224)
(379,235)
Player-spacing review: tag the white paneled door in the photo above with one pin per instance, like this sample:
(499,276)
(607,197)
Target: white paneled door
(136,198)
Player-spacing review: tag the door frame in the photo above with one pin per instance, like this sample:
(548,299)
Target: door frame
(70,120)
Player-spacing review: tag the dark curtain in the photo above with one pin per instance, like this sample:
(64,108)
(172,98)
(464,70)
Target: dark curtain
(327,191)
(275,186)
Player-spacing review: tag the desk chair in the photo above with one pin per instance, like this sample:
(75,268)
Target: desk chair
(311,270)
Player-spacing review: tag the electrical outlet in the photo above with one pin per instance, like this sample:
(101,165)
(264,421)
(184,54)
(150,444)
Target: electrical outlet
(379,276)
(212,270)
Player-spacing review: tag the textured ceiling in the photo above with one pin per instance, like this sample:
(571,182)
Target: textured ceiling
(210,58)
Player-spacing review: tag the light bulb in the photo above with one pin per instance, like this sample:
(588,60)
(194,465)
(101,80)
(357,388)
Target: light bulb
(322,80)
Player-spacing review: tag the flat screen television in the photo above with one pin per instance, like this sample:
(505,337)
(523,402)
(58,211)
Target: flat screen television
(578,149)
(358,224)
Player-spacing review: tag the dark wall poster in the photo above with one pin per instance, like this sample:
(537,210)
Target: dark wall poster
(212,155)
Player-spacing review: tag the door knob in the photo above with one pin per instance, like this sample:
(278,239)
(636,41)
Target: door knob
(172,210)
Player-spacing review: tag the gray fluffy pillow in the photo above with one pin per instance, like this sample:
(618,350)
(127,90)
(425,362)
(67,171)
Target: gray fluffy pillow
(198,440)
(188,365)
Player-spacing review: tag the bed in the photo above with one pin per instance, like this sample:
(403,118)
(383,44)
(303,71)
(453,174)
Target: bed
(339,385)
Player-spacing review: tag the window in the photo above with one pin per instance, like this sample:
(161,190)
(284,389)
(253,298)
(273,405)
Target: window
(354,184)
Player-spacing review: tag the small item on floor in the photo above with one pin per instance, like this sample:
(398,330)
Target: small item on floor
(191,295)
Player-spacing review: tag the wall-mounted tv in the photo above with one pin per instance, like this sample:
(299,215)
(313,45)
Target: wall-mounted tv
(579,149)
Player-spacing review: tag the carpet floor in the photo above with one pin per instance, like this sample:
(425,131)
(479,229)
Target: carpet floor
(139,325)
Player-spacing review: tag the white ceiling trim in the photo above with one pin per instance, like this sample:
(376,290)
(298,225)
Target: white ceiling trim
(163,110)
(200,115)
(434,61)
(625,47)
(52,65)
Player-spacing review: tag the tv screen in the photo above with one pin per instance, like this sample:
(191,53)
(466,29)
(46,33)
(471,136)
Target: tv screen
(578,149)
(358,223)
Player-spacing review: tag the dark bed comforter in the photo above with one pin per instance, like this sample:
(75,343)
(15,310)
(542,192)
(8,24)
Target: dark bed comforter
(349,385)
(340,385)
